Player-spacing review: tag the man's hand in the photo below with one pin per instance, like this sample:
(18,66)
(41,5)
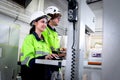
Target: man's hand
(62,52)
(63,49)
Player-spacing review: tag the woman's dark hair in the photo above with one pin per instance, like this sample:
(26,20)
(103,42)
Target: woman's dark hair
(32,29)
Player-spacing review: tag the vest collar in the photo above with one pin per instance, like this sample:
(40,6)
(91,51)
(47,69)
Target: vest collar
(37,37)
(51,28)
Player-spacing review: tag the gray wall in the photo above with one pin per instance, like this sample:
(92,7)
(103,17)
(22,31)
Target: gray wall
(9,34)
(111,40)
(24,27)
(97,9)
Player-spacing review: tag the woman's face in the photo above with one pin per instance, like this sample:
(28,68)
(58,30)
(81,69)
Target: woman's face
(41,24)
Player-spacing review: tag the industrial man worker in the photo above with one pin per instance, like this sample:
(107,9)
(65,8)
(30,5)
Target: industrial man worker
(51,34)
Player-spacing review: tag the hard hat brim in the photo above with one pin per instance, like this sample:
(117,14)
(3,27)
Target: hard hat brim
(37,19)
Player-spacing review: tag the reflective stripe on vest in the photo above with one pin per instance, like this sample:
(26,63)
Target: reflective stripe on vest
(37,53)
(25,61)
(41,52)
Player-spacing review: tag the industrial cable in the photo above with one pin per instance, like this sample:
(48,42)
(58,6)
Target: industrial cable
(73,55)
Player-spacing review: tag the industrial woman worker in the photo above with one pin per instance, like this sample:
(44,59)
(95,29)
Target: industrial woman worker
(50,33)
(35,47)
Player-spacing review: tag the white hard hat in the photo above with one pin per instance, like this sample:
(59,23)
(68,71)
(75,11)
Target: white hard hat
(36,15)
(51,10)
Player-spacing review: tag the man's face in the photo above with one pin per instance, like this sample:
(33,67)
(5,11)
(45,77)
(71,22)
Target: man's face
(56,21)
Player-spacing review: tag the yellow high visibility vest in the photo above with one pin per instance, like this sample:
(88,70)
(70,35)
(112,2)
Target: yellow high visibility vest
(33,48)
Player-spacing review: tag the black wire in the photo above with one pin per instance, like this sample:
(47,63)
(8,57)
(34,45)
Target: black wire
(73,55)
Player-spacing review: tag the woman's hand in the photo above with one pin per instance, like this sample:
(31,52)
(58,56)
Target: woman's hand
(62,55)
(50,56)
